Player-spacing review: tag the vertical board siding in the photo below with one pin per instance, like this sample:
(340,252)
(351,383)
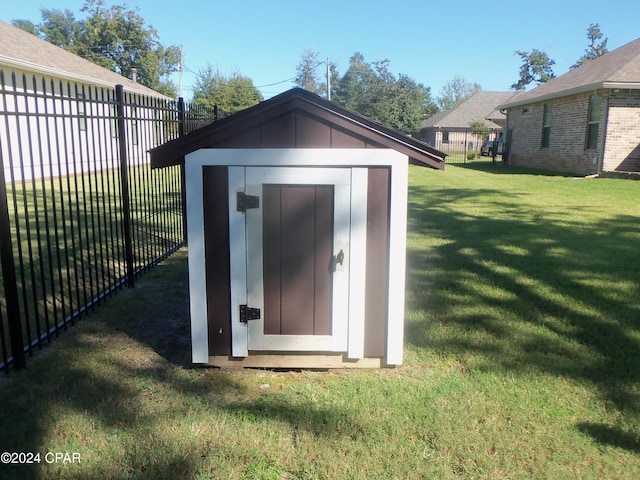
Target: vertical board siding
(272,261)
(297,250)
(216,227)
(377,262)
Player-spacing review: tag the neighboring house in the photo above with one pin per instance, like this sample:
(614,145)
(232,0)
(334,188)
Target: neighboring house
(450,130)
(47,93)
(586,121)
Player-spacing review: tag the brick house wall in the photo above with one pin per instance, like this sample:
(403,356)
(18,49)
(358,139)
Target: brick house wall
(622,143)
(567,140)
(618,145)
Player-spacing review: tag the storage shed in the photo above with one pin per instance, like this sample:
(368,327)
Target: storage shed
(296,213)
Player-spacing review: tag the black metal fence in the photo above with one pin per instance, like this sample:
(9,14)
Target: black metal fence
(81,212)
(462,145)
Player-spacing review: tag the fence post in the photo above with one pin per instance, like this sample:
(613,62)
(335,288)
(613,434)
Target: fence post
(183,176)
(124,184)
(9,276)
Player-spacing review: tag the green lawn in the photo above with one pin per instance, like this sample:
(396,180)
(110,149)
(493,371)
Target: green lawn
(522,359)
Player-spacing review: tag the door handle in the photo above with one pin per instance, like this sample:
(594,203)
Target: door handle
(337,259)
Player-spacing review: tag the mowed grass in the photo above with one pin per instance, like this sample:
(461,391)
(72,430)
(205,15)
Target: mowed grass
(522,359)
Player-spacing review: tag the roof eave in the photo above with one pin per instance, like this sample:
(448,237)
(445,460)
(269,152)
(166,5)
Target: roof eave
(418,152)
(554,95)
(54,72)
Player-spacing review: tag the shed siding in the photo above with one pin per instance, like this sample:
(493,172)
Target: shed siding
(376,301)
(292,130)
(217,262)
(216,226)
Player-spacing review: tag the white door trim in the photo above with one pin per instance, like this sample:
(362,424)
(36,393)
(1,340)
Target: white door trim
(341,179)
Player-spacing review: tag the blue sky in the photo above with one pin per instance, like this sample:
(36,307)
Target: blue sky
(431,41)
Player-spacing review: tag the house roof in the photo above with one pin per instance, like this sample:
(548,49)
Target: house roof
(619,68)
(480,107)
(290,120)
(24,51)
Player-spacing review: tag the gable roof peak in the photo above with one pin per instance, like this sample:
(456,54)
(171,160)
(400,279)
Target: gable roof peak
(295,104)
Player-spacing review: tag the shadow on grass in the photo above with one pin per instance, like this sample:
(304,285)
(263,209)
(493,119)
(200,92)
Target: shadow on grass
(528,291)
(101,393)
(611,436)
(500,168)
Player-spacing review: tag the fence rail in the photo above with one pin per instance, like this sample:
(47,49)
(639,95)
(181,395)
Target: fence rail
(461,145)
(81,212)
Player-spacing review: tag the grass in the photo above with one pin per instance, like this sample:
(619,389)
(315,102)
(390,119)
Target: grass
(68,240)
(522,359)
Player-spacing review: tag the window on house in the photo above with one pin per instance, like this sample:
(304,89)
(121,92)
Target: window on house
(134,125)
(82,114)
(445,137)
(546,125)
(593,126)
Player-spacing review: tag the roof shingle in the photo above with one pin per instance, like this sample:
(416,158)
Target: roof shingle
(619,68)
(20,49)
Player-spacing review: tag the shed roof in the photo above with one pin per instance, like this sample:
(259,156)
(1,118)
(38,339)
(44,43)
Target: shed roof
(480,107)
(289,120)
(619,68)
(24,51)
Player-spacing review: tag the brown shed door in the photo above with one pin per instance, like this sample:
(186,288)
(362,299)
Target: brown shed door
(297,249)
(293,237)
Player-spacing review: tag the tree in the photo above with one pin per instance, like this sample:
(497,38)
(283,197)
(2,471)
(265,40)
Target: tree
(230,94)
(312,72)
(479,129)
(307,76)
(115,38)
(60,28)
(26,25)
(594,50)
(536,67)
(456,91)
(373,91)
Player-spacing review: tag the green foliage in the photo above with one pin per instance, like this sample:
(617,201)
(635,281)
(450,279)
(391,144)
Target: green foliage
(375,92)
(536,67)
(231,94)
(594,50)
(307,76)
(456,91)
(479,129)
(115,38)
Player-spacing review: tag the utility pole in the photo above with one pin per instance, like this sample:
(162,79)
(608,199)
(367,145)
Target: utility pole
(181,69)
(328,81)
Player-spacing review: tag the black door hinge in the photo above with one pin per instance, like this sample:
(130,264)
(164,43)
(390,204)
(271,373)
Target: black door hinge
(247,201)
(247,314)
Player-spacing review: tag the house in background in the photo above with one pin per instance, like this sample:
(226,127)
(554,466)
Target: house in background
(586,121)
(47,92)
(450,130)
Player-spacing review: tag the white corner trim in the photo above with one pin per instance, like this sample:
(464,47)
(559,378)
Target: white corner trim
(397,263)
(197,277)
(358,264)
